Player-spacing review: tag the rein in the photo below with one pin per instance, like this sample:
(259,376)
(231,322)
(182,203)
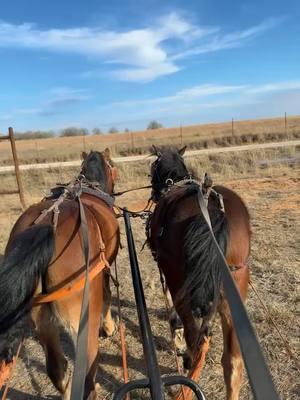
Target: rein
(131,190)
(80,365)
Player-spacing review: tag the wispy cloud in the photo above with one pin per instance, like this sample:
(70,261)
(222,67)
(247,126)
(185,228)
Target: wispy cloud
(224,41)
(56,101)
(204,91)
(141,54)
(198,100)
(188,94)
(63,97)
(274,87)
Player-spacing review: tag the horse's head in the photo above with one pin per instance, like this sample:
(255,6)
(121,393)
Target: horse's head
(168,167)
(98,167)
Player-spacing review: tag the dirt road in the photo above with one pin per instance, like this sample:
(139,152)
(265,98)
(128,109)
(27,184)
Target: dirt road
(189,153)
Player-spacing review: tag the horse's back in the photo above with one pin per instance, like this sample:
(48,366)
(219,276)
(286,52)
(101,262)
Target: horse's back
(68,237)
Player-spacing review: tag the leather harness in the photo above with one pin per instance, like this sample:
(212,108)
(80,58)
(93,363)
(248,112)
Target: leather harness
(75,190)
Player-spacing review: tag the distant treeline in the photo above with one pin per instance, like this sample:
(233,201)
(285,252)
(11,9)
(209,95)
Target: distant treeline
(73,131)
(49,134)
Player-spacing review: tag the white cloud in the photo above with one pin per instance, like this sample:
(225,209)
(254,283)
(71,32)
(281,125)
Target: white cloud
(230,40)
(275,87)
(141,54)
(145,74)
(184,95)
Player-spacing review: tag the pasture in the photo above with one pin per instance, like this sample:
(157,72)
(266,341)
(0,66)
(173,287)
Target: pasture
(269,183)
(139,142)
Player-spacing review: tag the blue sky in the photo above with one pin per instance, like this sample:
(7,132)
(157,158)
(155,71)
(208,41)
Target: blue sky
(123,63)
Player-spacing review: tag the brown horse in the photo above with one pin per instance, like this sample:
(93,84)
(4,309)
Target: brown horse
(186,255)
(41,259)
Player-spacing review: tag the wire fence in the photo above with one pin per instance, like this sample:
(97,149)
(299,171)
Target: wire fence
(234,132)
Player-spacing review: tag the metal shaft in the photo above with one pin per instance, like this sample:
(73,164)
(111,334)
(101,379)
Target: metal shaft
(156,385)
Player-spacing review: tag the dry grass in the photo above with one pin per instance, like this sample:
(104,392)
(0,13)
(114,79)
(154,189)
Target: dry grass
(196,136)
(273,197)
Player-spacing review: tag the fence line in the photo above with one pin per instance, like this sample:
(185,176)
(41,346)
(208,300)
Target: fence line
(188,153)
(198,136)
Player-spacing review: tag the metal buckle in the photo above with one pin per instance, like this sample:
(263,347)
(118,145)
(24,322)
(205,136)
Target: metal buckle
(169,182)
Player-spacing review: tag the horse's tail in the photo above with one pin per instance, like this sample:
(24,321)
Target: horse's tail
(27,260)
(201,288)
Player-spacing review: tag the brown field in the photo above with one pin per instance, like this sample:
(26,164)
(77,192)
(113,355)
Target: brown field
(195,136)
(269,183)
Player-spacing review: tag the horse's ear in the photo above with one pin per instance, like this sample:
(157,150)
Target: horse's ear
(155,151)
(106,153)
(83,155)
(182,151)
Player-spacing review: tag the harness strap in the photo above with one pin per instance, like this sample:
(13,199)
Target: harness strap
(80,365)
(54,208)
(259,376)
(71,287)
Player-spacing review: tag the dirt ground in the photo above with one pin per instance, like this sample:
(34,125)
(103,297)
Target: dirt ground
(274,203)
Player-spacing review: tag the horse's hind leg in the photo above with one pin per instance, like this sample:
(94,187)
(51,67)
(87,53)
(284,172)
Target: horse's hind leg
(232,359)
(48,334)
(109,325)
(93,343)
(176,325)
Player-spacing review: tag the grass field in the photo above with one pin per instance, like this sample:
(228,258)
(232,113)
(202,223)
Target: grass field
(269,183)
(196,136)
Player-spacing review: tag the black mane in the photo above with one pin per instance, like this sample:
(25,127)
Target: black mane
(94,169)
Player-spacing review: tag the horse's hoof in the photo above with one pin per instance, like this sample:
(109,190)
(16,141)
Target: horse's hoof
(179,340)
(111,328)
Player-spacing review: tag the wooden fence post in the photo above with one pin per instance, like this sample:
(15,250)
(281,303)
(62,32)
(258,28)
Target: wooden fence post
(285,123)
(132,141)
(17,169)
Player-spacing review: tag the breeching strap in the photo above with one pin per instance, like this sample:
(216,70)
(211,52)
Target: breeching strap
(259,376)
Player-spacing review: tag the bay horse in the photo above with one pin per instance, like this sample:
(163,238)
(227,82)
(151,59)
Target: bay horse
(41,258)
(181,243)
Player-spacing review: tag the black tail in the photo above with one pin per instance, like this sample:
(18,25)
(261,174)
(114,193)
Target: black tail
(27,260)
(203,264)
